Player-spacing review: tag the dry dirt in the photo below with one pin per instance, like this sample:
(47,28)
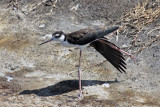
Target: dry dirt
(32,75)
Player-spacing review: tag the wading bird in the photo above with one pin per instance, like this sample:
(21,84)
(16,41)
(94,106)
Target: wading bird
(92,36)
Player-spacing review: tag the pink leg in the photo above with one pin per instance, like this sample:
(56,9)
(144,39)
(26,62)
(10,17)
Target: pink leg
(130,55)
(79,76)
(115,47)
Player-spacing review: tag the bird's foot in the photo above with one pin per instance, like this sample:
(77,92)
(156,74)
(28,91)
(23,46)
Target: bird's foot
(132,57)
(128,54)
(79,95)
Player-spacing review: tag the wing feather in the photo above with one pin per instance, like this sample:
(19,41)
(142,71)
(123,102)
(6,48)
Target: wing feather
(113,55)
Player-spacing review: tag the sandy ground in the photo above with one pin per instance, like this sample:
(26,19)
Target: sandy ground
(32,75)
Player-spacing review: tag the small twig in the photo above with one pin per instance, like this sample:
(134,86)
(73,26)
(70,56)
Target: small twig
(134,26)
(100,63)
(135,38)
(117,36)
(54,4)
(121,18)
(42,2)
(156,28)
(74,9)
(15,6)
(12,3)
(147,44)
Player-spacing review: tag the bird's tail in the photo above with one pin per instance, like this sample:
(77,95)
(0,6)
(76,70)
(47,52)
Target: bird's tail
(111,53)
(108,31)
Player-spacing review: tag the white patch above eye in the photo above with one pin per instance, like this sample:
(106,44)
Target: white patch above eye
(57,35)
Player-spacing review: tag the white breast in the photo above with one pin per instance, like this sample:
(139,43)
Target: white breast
(66,44)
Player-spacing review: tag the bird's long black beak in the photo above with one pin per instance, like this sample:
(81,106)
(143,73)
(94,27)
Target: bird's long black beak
(45,42)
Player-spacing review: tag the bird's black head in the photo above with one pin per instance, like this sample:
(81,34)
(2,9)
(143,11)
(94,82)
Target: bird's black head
(56,36)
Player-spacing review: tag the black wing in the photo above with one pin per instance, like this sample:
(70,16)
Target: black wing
(109,51)
(88,35)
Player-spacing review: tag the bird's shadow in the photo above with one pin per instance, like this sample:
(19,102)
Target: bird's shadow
(64,87)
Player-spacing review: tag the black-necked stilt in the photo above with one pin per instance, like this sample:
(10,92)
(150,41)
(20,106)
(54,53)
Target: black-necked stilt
(92,36)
